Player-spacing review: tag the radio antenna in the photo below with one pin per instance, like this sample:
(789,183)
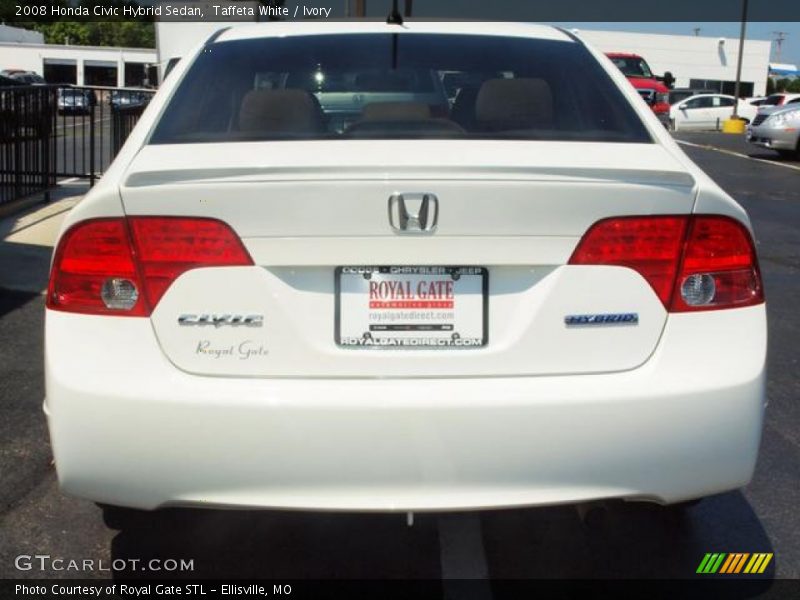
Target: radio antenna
(394,18)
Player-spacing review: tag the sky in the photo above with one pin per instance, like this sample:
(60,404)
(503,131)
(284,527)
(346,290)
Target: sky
(528,9)
(524,9)
(790,52)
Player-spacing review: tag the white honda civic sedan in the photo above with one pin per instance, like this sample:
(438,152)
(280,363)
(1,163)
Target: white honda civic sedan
(441,266)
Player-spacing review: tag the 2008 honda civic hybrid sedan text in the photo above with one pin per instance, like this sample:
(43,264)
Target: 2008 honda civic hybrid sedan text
(314,279)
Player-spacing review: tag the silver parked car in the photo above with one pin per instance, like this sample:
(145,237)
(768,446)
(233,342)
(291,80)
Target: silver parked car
(780,131)
(773,104)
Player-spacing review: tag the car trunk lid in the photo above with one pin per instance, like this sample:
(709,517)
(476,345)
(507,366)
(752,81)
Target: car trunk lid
(515,210)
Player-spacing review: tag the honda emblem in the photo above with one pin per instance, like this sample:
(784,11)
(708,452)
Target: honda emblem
(413,212)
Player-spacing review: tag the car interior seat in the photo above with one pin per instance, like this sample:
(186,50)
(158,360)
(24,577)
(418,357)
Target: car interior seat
(463,110)
(285,111)
(393,111)
(399,119)
(514,104)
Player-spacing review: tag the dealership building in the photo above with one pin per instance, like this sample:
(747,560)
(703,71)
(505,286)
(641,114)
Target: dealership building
(78,65)
(694,61)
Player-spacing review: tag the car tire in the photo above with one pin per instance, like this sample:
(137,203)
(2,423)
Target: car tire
(788,154)
(681,507)
(121,517)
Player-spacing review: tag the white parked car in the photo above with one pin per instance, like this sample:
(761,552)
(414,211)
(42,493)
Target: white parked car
(708,111)
(756,100)
(532,298)
(780,99)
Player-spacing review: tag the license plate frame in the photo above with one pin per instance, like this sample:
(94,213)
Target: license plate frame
(413,336)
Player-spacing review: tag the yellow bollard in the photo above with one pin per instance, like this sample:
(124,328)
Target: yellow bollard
(733,126)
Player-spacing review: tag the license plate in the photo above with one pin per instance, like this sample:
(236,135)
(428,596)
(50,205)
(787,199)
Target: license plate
(411,307)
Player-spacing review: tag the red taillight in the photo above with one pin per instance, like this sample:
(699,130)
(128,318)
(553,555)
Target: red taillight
(692,263)
(719,258)
(168,246)
(91,255)
(649,245)
(123,267)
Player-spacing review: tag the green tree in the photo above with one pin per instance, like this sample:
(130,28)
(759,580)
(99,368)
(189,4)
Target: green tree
(117,32)
(129,34)
(62,32)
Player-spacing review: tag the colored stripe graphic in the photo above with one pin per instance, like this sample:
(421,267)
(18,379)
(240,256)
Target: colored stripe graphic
(759,562)
(741,563)
(732,558)
(715,566)
(703,563)
(711,563)
(732,563)
(764,564)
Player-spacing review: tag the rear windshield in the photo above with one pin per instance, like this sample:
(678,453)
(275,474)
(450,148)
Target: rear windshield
(632,67)
(394,86)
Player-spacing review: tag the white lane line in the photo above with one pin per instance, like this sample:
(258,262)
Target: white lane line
(732,153)
(462,557)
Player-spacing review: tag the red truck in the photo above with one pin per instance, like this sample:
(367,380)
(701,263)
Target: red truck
(654,90)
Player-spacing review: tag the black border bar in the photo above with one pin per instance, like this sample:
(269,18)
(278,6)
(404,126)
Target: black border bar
(548,589)
(694,11)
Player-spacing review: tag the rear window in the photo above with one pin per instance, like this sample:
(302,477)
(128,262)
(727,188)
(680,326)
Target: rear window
(632,67)
(394,86)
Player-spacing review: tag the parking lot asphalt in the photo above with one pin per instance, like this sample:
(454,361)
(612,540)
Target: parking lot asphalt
(555,542)
(734,143)
(73,146)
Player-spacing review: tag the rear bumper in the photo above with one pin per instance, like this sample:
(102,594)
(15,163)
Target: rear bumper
(138,432)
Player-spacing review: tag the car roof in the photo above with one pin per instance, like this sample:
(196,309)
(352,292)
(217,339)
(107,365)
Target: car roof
(707,96)
(694,92)
(286,28)
(622,55)
(4,80)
